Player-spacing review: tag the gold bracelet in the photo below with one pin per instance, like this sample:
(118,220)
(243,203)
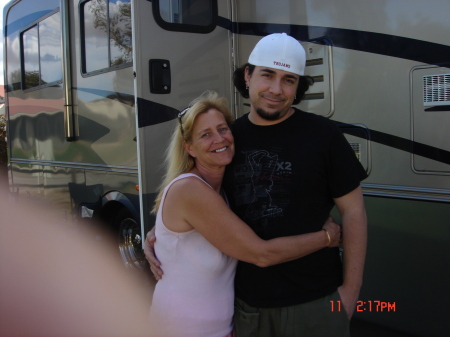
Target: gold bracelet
(329,239)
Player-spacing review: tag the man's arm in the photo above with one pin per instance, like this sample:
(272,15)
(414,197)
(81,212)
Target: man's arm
(354,242)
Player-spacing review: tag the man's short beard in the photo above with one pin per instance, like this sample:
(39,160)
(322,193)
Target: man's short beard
(268,116)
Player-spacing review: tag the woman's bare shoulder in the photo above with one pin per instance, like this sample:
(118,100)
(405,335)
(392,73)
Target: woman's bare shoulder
(190,191)
(189,182)
(181,200)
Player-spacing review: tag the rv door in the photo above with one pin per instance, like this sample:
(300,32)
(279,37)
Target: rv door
(182,48)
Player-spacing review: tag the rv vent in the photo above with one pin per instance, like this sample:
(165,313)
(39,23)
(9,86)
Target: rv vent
(436,90)
(357,149)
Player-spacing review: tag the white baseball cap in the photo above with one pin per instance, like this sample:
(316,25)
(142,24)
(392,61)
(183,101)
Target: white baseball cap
(279,51)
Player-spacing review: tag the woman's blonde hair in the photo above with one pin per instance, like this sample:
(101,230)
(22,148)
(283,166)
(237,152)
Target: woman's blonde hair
(178,160)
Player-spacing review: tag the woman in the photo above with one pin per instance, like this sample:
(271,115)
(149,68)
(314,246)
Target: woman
(199,237)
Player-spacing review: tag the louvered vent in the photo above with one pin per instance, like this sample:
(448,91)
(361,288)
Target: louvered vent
(436,90)
(357,149)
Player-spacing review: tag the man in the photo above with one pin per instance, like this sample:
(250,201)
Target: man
(290,168)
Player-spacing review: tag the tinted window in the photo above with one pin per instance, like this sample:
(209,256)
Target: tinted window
(199,16)
(107,34)
(120,32)
(31,58)
(42,53)
(50,49)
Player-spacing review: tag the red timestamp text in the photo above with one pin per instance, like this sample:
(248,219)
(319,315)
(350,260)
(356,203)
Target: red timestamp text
(370,306)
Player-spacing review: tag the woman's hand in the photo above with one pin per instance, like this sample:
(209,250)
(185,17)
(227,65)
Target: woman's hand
(334,231)
(149,251)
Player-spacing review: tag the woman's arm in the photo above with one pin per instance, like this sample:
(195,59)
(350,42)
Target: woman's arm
(204,209)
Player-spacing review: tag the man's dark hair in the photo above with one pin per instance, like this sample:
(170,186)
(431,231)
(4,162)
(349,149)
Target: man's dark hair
(239,82)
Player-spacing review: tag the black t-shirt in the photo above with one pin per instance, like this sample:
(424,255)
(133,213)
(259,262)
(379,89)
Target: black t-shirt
(282,182)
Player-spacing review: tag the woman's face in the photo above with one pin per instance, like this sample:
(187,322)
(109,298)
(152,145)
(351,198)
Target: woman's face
(212,142)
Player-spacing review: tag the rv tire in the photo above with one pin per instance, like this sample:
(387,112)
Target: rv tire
(129,240)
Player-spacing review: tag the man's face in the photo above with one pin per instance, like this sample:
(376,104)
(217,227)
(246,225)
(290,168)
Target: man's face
(271,92)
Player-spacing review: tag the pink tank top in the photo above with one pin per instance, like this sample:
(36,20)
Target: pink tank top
(195,297)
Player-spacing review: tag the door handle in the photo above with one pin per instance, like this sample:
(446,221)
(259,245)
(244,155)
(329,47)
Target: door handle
(160,81)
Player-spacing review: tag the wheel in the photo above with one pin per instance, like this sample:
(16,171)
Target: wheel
(130,241)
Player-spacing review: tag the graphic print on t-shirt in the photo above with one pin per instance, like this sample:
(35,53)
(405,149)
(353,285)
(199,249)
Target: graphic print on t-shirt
(262,166)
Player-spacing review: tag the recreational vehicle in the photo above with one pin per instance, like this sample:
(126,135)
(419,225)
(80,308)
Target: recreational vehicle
(93,89)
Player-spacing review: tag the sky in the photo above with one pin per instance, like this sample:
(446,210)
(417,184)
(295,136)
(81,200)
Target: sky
(2,4)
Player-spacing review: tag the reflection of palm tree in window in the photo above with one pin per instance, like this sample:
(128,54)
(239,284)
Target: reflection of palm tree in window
(263,165)
(118,27)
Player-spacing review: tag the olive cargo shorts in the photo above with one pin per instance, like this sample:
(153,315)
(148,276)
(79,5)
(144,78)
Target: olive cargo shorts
(312,319)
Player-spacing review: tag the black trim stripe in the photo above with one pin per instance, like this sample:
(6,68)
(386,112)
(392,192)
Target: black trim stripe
(118,96)
(152,113)
(439,108)
(370,42)
(376,43)
(398,143)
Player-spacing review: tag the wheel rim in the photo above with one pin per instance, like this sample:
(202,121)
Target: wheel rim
(130,244)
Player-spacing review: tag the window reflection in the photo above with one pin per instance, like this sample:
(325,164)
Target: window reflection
(120,32)
(107,34)
(31,58)
(189,12)
(50,49)
(95,35)
(42,53)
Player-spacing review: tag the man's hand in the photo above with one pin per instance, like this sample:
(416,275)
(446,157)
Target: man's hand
(349,297)
(149,251)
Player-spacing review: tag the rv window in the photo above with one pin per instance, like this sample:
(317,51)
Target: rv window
(50,49)
(31,58)
(106,34)
(42,53)
(197,16)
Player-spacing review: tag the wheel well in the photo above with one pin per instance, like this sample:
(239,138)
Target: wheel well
(111,210)
(108,212)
